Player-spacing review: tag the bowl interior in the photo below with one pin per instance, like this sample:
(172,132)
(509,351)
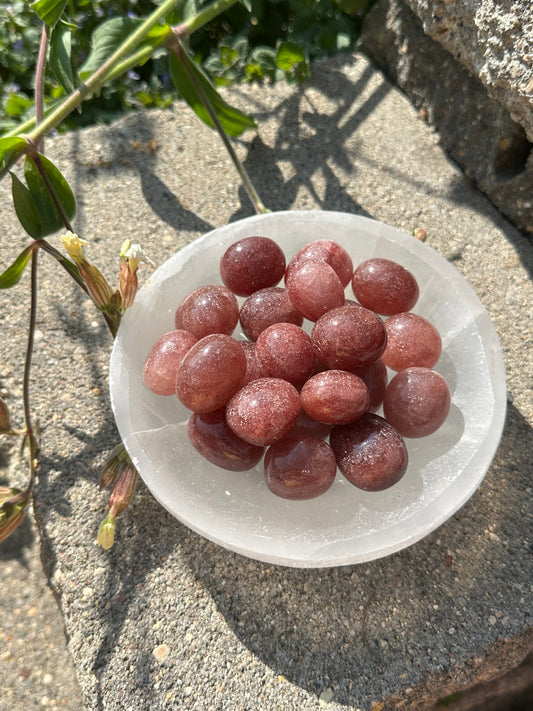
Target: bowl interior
(345,525)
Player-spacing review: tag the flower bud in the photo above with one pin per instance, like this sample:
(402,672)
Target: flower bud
(12,505)
(5,421)
(127,285)
(123,489)
(116,460)
(130,257)
(97,286)
(115,303)
(121,472)
(106,532)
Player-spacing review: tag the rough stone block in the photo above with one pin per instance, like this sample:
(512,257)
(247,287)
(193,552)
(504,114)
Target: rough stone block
(494,41)
(479,132)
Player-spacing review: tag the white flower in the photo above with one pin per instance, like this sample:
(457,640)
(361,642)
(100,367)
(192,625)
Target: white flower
(134,253)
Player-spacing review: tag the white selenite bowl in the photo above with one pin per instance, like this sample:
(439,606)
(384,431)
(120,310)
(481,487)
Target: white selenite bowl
(345,525)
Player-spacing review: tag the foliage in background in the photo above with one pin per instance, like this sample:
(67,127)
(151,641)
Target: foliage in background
(277,39)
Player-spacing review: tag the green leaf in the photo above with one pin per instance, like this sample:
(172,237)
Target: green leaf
(25,208)
(49,10)
(46,209)
(12,274)
(233,121)
(289,55)
(60,48)
(247,4)
(10,150)
(184,11)
(108,37)
(17,103)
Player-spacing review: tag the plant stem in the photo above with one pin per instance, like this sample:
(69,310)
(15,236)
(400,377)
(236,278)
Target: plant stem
(190,25)
(137,59)
(101,75)
(257,203)
(39,83)
(33,443)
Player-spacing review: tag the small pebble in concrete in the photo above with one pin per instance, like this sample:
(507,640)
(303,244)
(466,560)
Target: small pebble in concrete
(161,651)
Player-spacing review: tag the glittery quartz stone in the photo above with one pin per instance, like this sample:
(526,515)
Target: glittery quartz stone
(264,410)
(370,453)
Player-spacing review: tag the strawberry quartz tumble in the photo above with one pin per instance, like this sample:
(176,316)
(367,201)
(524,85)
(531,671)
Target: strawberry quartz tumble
(314,288)
(384,286)
(299,468)
(264,410)
(335,397)
(163,360)
(254,369)
(370,452)
(266,307)
(325,250)
(417,401)
(375,378)
(347,338)
(411,341)
(208,309)
(210,373)
(210,434)
(285,351)
(251,264)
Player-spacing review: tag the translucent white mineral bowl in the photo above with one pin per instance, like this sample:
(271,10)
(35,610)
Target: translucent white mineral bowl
(345,525)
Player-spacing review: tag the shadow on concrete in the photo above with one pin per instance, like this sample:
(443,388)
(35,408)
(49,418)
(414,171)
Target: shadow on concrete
(463,192)
(384,615)
(15,546)
(311,143)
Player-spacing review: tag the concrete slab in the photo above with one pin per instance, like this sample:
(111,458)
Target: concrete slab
(168,620)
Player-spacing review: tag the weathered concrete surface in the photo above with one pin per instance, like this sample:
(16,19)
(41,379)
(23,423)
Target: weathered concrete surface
(168,620)
(37,670)
(487,131)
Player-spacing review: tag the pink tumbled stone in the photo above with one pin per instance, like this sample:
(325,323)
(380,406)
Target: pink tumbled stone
(251,264)
(325,250)
(162,362)
(370,452)
(210,434)
(348,337)
(314,288)
(285,351)
(384,286)
(266,307)
(210,373)
(417,401)
(375,378)
(208,309)
(335,397)
(254,368)
(299,468)
(264,410)
(411,341)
